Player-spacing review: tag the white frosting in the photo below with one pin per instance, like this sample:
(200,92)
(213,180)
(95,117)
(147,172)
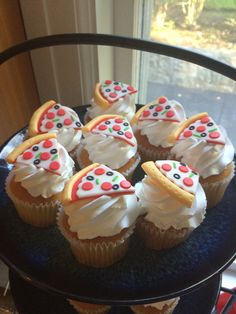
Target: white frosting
(108,150)
(165,211)
(206,158)
(125,107)
(158,131)
(103,217)
(69,138)
(160,305)
(39,182)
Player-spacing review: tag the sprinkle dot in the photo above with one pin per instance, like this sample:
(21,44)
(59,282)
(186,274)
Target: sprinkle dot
(162,100)
(166,167)
(108,81)
(55,165)
(130,88)
(205,119)
(118,120)
(49,125)
(128,134)
(86,186)
(188,182)
(50,115)
(125,184)
(116,127)
(201,128)
(112,95)
(159,108)
(68,121)
(214,134)
(45,156)
(27,155)
(106,186)
(183,169)
(146,113)
(188,133)
(170,113)
(99,171)
(102,127)
(47,144)
(61,112)
(117,88)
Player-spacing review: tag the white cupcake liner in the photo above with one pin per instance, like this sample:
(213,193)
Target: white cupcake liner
(151,154)
(141,309)
(38,215)
(96,309)
(99,254)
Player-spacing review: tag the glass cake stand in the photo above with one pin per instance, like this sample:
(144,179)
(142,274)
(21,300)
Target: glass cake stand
(42,258)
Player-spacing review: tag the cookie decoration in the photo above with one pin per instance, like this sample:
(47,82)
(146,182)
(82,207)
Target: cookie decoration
(111,125)
(200,126)
(40,151)
(178,179)
(94,181)
(160,109)
(53,116)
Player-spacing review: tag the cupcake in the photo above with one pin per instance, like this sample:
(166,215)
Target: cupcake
(55,118)
(174,202)
(205,146)
(88,308)
(109,140)
(100,211)
(111,97)
(41,168)
(152,125)
(163,307)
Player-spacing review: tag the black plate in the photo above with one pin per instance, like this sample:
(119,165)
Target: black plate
(43,257)
(29,299)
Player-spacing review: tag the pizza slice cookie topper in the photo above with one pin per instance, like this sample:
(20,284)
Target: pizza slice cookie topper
(111,125)
(179,180)
(200,126)
(40,151)
(160,109)
(94,181)
(53,116)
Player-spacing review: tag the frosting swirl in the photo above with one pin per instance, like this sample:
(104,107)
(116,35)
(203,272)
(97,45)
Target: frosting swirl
(207,158)
(108,150)
(157,131)
(165,211)
(125,106)
(39,182)
(103,217)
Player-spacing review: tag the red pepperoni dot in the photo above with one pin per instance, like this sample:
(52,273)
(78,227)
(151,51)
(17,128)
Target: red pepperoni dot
(166,167)
(113,95)
(188,133)
(188,182)
(108,81)
(45,156)
(27,155)
(47,144)
(54,165)
(146,113)
(117,87)
(205,119)
(119,120)
(87,186)
(201,128)
(102,127)
(68,121)
(49,125)
(162,100)
(214,134)
(130,88)
(183,169)
(106,186)
(125,184)
(116,127)
(61,112)
(170,113)
(50,115)
(99,171)
(128,134)
(159,108)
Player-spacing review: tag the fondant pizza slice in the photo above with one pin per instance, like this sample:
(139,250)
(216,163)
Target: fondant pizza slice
(112,125)
(178,179)
(160,109)
(94,181)
(53,116)
(200,126)
(113,90)
(40,151)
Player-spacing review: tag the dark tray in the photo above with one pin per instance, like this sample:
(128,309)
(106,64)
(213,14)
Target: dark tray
(29,299)
(43,257)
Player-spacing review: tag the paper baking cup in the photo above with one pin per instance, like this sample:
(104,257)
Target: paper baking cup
(167,309)
(38,215)
(87,308)
(95,253)
(215,190)
(153,154)
(159,239)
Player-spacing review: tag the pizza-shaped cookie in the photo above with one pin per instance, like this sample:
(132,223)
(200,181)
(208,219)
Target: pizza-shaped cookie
(179,180)
(110,91)
(157,110)
(94,181)
(200,126)
(111,125)
(53,116)
(40,151)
